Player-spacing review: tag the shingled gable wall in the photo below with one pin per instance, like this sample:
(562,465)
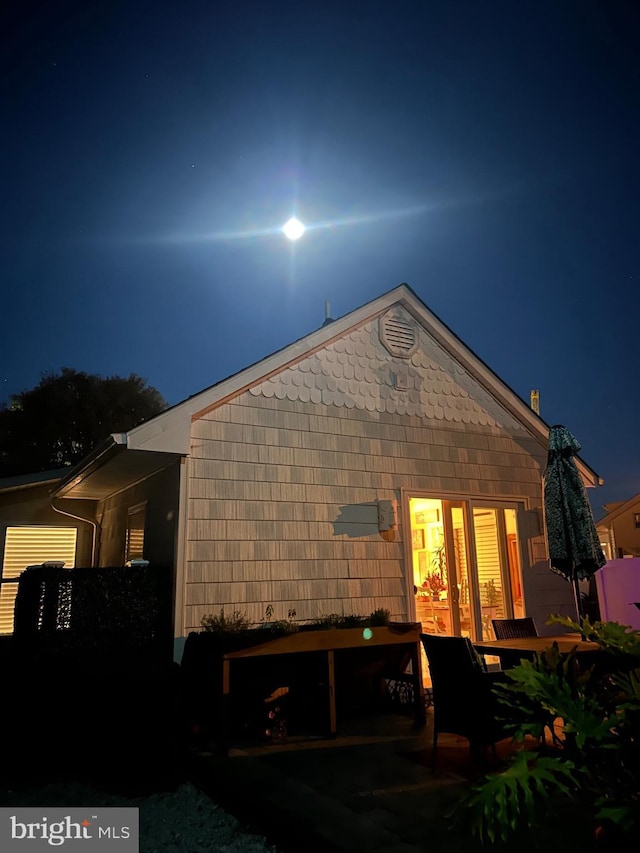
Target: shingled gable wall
(285,478)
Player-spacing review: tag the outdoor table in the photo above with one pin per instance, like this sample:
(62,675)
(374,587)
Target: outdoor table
(329,641)
(530,646)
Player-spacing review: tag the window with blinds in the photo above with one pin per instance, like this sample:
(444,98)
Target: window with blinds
(30,546)
(134,549)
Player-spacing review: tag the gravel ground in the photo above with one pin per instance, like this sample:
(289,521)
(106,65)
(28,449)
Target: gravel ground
(180,821)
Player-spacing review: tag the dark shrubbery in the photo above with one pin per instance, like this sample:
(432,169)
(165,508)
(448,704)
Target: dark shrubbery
(593,759)
(95,691)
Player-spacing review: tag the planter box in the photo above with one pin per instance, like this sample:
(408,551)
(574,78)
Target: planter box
(342,663)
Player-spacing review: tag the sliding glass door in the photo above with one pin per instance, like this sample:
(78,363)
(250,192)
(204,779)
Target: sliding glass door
(465,558)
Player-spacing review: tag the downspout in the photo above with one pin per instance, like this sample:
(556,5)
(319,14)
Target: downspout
(181,550)
(94,524)
(93,458)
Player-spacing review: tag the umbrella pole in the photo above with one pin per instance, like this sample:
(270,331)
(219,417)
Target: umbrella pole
(578,598)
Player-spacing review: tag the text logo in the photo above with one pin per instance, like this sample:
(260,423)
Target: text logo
(72,830)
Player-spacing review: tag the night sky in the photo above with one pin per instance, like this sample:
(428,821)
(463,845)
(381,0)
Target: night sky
(486,153)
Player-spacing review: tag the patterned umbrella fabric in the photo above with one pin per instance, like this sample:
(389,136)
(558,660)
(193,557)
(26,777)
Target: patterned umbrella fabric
(574,549)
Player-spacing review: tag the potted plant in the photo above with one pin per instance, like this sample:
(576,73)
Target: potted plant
(435,584)
(491,595)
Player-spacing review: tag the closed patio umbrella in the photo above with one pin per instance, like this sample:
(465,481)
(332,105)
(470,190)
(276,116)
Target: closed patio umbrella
(574,549)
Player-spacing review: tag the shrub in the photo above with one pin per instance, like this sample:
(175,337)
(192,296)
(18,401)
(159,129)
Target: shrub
(596,759)
(238,622)
(279,627)
(222,624)
(379,618)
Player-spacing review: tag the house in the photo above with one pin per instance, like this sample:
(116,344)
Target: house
(376,463)
(33,530)
(619,530)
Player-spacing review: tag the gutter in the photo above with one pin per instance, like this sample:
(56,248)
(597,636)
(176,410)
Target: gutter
(93,461)
(89,464)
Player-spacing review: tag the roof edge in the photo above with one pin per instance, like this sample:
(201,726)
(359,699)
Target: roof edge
(151,435)
(111,446)
(624,507)
(170,430)
(30,481)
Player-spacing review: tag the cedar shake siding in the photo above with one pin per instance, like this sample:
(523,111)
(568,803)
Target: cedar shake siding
(284,478)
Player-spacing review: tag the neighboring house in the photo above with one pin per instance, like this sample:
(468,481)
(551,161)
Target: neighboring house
(619,530)
(33,531)
(375,463)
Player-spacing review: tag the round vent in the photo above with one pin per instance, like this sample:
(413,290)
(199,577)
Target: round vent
(399,334)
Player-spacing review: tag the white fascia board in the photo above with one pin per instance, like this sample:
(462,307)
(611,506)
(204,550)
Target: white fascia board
(488,379)
(608,519)
(167,433)
(499,389)
(170,432)
(93,460)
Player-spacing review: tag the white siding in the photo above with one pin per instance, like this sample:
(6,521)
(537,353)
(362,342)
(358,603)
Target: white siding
(283,489)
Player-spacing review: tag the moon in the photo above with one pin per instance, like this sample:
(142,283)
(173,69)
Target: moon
(293,229)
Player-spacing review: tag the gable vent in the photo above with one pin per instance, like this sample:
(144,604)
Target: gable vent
(398,334)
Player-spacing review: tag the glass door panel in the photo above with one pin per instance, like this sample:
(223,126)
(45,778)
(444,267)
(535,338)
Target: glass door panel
(429,560)
(440,566)
(513,558)
(460,589)
(485,525)
(492,567)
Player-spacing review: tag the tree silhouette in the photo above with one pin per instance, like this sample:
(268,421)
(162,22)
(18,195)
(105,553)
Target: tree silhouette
(66,415)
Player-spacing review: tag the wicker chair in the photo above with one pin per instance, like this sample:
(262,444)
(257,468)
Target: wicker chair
(463,701)
(513,629)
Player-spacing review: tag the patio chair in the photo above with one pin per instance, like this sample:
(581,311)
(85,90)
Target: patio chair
(463,701)
(513,629)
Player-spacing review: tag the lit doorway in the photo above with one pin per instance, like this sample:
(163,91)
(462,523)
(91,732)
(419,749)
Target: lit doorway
(465,558)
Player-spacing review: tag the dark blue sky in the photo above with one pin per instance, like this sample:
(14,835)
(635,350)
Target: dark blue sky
(134,131)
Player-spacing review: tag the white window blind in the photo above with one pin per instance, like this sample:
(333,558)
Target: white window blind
(134,549)
(488,552)
(29,546)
